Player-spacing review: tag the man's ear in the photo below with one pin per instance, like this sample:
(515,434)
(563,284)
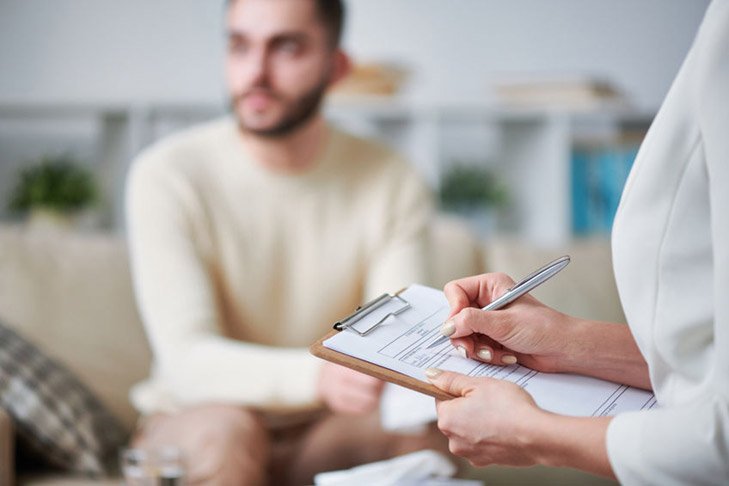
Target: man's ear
(342,66)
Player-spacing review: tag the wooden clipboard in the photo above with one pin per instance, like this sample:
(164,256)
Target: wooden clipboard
(319,350)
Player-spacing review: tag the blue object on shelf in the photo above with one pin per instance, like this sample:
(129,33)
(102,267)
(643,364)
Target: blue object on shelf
(598,175)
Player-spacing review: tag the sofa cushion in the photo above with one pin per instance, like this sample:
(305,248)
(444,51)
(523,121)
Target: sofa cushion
(54,414)
(585,288)
(71,295)
(455,250)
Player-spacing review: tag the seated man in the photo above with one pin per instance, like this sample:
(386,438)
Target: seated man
(249,237)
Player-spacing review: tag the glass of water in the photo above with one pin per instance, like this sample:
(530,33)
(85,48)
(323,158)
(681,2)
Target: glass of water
(153,467)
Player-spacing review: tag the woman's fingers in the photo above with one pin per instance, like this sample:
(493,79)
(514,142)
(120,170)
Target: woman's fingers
(496,324)
(476,291)
(485,349)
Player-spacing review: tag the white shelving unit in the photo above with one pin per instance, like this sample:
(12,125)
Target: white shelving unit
(530,149)
(116,133)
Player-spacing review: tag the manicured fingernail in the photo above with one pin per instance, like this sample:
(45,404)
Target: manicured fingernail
(462,351)
(448,328)
(484,354)
(433,372)
(508,359)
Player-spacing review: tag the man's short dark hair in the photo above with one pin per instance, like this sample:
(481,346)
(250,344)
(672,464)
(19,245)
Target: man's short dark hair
(331,14)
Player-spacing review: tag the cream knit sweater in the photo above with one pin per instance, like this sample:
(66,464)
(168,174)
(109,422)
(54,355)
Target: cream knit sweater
(238,269)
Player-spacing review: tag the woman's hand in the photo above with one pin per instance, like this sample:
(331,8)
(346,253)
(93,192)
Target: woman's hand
(490,423)
(347,391)
(526,331)
(496,422)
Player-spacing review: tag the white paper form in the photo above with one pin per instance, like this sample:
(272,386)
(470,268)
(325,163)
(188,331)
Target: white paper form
(400,344)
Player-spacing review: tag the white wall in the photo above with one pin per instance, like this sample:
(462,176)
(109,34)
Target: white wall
(459,45)
(110,50)
(140,50)
(136,52)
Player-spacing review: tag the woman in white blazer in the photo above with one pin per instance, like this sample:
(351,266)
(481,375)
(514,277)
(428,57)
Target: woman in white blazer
(671,257)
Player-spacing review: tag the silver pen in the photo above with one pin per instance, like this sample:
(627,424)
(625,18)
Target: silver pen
(525,285)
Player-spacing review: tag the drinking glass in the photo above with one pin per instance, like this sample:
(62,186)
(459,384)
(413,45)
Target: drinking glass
(153,467)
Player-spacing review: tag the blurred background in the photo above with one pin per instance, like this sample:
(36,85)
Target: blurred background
(524,116)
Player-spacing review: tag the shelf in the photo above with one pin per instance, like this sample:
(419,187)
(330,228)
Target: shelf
(531,147)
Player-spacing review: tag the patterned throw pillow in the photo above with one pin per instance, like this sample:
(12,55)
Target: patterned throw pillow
(54,414)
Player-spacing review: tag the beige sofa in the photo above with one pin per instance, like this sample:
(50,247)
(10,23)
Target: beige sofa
(71,295)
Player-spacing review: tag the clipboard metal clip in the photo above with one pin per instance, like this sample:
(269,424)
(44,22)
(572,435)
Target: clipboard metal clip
(391,305)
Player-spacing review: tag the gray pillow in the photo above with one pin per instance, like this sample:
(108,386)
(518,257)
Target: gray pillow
(56,417)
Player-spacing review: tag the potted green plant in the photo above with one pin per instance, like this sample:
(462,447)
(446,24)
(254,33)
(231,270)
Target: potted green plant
(55,187)
(474,192)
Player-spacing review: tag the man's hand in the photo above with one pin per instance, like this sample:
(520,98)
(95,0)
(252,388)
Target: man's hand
(347,391)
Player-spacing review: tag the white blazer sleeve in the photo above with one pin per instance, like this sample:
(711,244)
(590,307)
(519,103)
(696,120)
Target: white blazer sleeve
(689,444)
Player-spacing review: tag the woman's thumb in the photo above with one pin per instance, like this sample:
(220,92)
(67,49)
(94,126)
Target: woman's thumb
(452,383)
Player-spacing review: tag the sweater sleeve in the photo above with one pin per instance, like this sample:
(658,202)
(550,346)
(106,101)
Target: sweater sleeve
(689,444)
(174,285)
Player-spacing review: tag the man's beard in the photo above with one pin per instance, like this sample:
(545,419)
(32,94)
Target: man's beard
(295,115)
